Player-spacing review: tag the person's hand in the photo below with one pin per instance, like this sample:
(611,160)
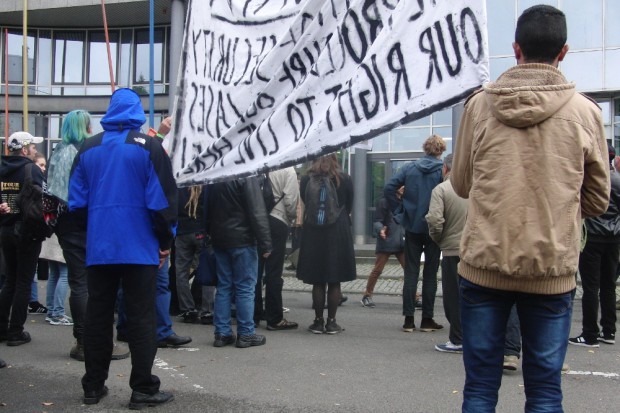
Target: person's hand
(162,257)
(266,255)
(383,233)
(4,208)
(165,126)
(617,163)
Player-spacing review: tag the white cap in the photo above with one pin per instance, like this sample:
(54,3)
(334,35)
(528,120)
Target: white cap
(20,139)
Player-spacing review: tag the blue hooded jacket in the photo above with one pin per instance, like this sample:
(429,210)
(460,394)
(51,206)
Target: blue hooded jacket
(123,180)
(419,178)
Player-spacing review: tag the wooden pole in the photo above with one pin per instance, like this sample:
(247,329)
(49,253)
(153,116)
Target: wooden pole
(107,42)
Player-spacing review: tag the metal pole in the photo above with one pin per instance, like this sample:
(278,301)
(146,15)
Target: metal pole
(107,42)
(25,67)
(6,91)
(152,65)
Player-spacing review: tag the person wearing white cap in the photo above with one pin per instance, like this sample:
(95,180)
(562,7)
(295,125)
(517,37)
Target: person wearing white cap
(20,253)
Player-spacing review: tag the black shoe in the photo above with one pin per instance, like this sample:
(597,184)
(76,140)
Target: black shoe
(409,325)
(18,340)
(139,400)
(93,396)
(250,341)
(428,324)
(318,326)
(221,341)
(36,307)
(174,341)
(343,299)
(206,318)
(331,327)
(122,337)
(190,316)
(418,303)
(2,364)
(283,325)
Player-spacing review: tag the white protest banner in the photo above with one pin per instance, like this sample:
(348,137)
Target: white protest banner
(270,83)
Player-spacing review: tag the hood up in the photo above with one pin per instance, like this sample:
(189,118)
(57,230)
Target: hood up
(528,94)
(12,163)
(125,112)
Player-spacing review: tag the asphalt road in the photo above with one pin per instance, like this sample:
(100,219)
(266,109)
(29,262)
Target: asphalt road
(371,367)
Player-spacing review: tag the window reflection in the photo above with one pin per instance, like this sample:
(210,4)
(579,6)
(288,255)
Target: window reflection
(584,20)
(69,57)
(14,49)
(124,77)
(612,17)
(44,63)
(409,139)
(98,67)
(141,67)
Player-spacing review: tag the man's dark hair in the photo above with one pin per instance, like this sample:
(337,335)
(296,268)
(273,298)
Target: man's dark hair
(448,161)
(541,33)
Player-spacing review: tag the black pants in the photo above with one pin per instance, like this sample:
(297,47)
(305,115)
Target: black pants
(73,244)
(272,267)
(451,301)
(415,245)
(597,266)
(20,265)
(138,282)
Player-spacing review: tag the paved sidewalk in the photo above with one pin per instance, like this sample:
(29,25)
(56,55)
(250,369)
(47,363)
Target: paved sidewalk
(390,282)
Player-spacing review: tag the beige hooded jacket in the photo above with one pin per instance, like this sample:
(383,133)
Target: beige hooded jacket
(531,157)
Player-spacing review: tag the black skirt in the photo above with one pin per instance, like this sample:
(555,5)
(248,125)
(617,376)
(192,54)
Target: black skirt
(326,255)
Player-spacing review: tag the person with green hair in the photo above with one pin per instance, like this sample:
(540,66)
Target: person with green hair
(76,127)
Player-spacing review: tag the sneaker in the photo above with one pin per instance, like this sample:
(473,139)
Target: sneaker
(77,352)
(449,347)
(190,316)
(609,338)
(120,351)
(18,340)
(250,341)
(284,324)
(36,307)
(48,318)
(511,363)
(285,309)
(206,318)
(409,325)
(221,340)
(343,299)
(63,320)
(367,302)
(331,327)
(428,324)
(581,341)
(318,326)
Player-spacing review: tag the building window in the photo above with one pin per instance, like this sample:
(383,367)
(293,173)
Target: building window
(141,66)
(14,48)
(584,21)
(69,57)
(98,66)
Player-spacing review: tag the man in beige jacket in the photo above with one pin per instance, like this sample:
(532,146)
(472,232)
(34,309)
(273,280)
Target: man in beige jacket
(531,157)
(446,218)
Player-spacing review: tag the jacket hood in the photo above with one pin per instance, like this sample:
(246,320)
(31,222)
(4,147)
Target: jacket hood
(528,94)
(11,163)
(428,164)
(125,112)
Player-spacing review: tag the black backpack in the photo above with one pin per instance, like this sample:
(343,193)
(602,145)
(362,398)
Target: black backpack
(30,203)
(267,191)
(321,201)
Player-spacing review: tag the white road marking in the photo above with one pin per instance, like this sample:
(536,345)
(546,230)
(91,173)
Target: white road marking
(593,373)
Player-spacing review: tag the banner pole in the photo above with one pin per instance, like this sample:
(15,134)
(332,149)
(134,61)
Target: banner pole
(107,43)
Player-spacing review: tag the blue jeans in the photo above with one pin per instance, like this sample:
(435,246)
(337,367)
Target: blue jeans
(34,289)
(162,305)
(57,286)
(512,346)
(236,272)
(545,324)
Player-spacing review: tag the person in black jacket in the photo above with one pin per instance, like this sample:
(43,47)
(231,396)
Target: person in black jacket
(598,263)
(20,252)
(390,240)
(238,225)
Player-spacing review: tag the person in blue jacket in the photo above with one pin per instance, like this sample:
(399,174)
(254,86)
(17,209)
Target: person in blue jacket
(419,178)
(122,185)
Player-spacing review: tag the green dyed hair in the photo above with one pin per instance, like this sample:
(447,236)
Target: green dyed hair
(75,127)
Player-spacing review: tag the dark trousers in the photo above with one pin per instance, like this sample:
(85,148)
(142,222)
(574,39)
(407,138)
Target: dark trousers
(272,267)
(20,265)
(138,282)
(73,244)
(451,304)
(597,266)
(415,245)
